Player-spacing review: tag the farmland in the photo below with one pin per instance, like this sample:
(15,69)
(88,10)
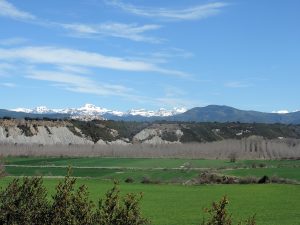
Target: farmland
(168,201)
(183,205)
(163,170)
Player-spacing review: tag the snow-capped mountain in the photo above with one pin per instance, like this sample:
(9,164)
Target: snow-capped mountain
(161,112)
(92,110)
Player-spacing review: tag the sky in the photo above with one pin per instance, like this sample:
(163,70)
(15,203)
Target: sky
(123,54)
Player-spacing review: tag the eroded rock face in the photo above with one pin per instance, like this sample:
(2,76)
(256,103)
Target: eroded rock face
(64,132)
(146,134)
(156,140)
(158,136)
(42,135)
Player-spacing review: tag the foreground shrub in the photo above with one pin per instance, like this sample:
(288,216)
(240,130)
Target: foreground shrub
(114,210)
(218,215)
(25,202)
(69,206)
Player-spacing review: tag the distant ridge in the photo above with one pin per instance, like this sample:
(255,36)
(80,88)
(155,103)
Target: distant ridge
(216,113)
(21,115)
(211,113)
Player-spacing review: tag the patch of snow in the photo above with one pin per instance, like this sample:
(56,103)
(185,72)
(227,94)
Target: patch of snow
(284,111)
(92,110)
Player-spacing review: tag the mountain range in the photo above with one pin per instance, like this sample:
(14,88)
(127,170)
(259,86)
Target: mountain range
(211,113)
(92,110)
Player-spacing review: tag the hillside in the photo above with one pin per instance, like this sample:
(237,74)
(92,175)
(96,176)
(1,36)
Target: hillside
(217,113)
(139,132)
(145,139)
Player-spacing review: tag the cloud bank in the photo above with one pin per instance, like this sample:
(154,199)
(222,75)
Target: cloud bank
(197,12)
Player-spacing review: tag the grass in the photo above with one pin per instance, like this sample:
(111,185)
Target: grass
(289,173)
(116,162)
(183,205)
(119,174)
(166,170)
(173,204)
(146,162)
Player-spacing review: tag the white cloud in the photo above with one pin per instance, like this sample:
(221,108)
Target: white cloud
(164,55)
(9,85)
(175,102)
(6,69)
(192,13)
(74,69)
(132,32)
(172,91)
(78,83)
(71,57)
(6,66)
(237,84)
(12,41)
(9,10)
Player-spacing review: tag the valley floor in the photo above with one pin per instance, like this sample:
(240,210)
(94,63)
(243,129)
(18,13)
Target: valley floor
(169,202)
(183,205)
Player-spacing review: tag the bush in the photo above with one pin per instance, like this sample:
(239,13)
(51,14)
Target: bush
(207,177)
(248,180)
(218,215)
(263,180)
(71,206)
(129,180)
(25,202)
(148,180)
(114,210)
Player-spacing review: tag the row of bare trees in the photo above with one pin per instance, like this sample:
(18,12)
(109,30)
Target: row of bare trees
(251,148)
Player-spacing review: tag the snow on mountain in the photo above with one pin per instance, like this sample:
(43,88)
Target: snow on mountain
(161,112)
(22,110)
(92,110)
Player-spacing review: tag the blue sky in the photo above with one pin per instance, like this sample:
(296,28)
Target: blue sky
(123,54)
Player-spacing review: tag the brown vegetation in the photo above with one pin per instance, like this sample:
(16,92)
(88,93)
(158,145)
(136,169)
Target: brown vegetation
(242,149)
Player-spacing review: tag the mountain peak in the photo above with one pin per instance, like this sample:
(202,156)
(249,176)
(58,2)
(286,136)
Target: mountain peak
(92,110)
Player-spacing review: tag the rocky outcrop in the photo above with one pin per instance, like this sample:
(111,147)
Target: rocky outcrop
(42,135)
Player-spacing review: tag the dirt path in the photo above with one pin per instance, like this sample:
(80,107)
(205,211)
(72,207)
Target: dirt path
(104,167)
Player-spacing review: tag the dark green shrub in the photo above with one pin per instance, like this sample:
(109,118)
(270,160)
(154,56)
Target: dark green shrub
(24,202)
(71,206)
(263,180)
(129,180)
(218,215)
(114,210)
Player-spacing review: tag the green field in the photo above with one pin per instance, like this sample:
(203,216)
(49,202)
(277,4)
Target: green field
(146,163)
(176,204)
(183,205)
(119,174)
(289,173)
(163,170)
